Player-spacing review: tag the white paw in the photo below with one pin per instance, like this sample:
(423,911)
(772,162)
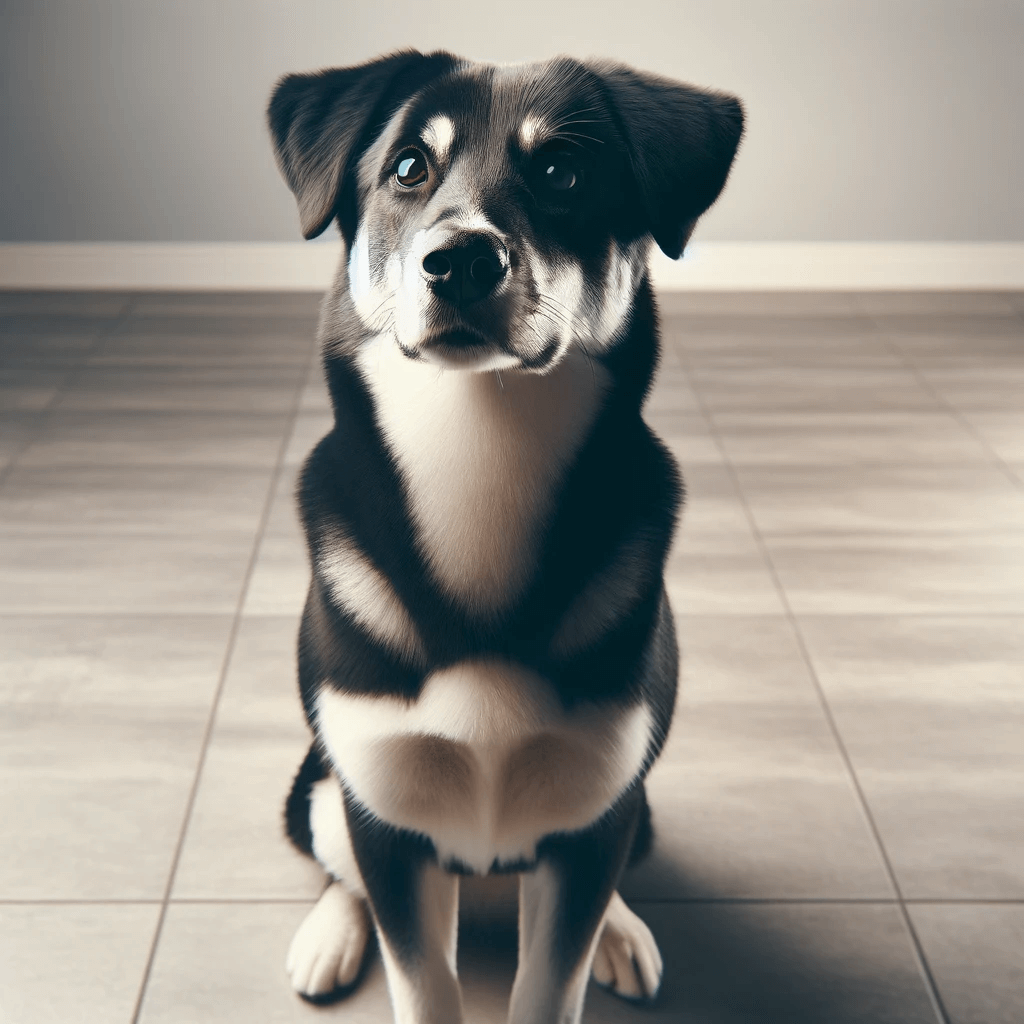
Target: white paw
(328,947)
(627,960)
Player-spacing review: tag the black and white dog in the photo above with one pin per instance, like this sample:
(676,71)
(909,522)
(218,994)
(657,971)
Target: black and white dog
(487,657)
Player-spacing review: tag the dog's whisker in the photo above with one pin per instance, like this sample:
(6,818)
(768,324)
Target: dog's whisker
(577,322)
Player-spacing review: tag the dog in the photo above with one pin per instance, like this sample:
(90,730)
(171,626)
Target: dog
(486,657)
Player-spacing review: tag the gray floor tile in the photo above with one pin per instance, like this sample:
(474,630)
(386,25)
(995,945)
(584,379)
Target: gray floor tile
(315,396)
(194,500)
(846,438)
(62,573)
(930,712)
(672,392)
(930,335)
(107,305)
(235,847)
(29,387)
(225,963)
(302,305)
(967,325)
(901,573)
(101,730)
(726,965)
(203,340)
(73,963)
(697,349)
(876,354)
(934,303)
(739,964)
(844,964)
(210,389)
(971,385)
(759,304)
(1003,431)
(720,339)
(687,436)
(871,498)
(720,574)
(754,801)
(924,499)
(280,577)
(976,953)
(51,331)
(751,797)
(16,430)
(283,520)
(162,439)
(804,329)
(26,399)
(307,430)
(799,388)
(713,507)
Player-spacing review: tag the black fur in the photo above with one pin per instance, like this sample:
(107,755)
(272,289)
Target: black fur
(589,864)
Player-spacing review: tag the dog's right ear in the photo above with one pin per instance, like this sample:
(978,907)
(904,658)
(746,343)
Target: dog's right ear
(321,123)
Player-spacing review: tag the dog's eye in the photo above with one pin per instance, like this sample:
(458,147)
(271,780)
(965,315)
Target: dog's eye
(557,171)
(411,168)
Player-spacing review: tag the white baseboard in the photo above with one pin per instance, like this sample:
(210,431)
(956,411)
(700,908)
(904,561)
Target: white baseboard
(712,266)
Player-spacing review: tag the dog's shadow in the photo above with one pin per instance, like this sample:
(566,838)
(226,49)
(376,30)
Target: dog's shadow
(730,961)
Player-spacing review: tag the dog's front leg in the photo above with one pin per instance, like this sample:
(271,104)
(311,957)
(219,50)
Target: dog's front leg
(561,909)
(415,907)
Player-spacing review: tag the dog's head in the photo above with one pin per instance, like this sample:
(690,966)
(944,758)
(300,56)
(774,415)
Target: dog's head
(494,216)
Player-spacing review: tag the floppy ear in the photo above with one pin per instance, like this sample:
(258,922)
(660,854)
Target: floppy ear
(320,123)
(681,143)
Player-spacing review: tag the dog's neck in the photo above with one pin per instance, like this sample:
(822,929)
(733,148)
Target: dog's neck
(481,456)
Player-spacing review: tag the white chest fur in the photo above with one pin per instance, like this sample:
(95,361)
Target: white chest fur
(485,762)
(480,456)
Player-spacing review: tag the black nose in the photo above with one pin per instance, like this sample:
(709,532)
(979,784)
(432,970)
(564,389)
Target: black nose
(466,269)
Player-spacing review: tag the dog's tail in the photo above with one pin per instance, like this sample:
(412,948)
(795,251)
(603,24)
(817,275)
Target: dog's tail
(643,837)
(296,807)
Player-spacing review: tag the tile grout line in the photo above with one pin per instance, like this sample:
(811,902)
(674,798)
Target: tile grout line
(994,457)
(43,415)
(931,986)
(685,615)
(826,901)
(218,691)
(774,901)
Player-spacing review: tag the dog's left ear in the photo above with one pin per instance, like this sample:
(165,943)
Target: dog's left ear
(681,144)
(320,123)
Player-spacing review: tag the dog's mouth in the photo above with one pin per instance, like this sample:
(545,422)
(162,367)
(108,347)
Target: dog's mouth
(456,339)
(461,347)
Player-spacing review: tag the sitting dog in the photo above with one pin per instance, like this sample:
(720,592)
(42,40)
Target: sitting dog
(487,657)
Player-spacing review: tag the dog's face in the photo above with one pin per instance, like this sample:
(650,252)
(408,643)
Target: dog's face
(496,216)
(494,225)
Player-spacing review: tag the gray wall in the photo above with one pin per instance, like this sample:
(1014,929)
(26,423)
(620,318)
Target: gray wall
(138,120)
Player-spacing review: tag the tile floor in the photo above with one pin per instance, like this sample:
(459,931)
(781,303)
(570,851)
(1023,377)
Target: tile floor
(840,809)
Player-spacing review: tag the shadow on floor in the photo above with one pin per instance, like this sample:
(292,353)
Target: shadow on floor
(739,962)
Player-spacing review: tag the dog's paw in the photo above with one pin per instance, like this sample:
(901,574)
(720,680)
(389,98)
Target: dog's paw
(627,960)
(327,951)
